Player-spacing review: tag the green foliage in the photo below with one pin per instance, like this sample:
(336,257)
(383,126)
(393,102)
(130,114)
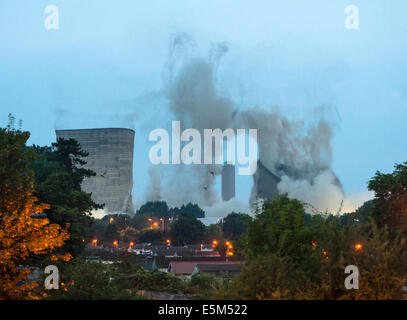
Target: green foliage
(235,224)
(389,204)
(57,182)
(82,280)
(204,285)
(213,232)
(140,221)
(187,230)
(157,209)
(15,176)
(122,221)
(111,234)
(128,235)
(131,276)
(191,208)
(155,237)
(289,256)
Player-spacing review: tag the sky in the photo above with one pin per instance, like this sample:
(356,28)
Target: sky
(104,67)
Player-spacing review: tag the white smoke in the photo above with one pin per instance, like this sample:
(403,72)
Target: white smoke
(195,101)
(154,190)
(223,208)
(322,193)
(303,148)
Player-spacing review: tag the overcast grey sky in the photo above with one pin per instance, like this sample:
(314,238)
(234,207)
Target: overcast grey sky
(104,65)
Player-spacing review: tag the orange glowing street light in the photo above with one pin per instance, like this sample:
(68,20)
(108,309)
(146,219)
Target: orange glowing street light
(115,243)
(230,253)
(111,220)
(155,224)
(227,243)
(95,242)
(168,241)
(358,247)
(131,244)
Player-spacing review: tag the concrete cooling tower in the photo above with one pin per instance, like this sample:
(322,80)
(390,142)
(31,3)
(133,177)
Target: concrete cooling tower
(111,157)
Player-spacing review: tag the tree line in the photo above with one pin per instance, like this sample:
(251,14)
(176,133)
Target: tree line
(289,253)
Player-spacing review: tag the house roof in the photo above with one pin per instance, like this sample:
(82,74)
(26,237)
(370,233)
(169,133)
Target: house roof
(186,267)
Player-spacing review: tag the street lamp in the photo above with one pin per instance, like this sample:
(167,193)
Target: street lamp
(358,247)
(111,220)
(115,243)
(95,242)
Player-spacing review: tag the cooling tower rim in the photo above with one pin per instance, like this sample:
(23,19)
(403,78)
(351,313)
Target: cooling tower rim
(96,129)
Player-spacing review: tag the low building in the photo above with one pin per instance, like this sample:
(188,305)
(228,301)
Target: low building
(186,268)
(228,270)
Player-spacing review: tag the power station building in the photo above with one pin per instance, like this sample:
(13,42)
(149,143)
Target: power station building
(228,181)
(111,158)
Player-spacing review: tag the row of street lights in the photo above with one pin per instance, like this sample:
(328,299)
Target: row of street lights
(115,243)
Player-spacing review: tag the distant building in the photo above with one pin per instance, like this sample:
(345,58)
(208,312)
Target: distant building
(186,268)
(228,181)
(111,157)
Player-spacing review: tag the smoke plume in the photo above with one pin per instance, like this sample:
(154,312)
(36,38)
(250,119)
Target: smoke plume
(298,152)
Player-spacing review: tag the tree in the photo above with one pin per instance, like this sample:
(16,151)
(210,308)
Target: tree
(278,251)
(191,208)
(22,236)
(111,234)
(389,203)
(121,220)
(58,179)
(140,221)
(235,224)
(187,230)
(82,280)
(155,237)
(157,209)
(290,255)
(128,234)
(213,232)
(69,154)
